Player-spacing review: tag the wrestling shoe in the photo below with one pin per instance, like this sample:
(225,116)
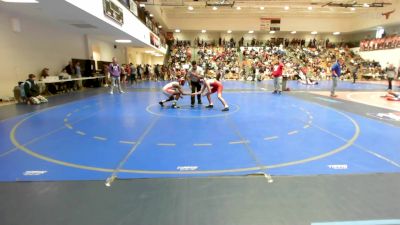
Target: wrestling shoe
(210,106)
(161,103)
(225,109)
(176,106)
(192,105)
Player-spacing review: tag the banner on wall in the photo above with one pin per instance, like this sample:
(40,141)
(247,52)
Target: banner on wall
(169,36)
(113,11)
(154,40)
(133,7)
(269,24)
(149,24)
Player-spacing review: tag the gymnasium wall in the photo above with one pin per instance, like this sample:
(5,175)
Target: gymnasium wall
(384,57)
(35,47)
(191,35)
(131,26)
(289,22)
(42,44)
(371,33)
(139,56)
(105,51)
(240,23)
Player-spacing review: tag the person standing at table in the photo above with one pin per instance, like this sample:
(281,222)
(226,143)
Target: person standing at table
(70,70)
(115,73)
(78,74)
(195,74)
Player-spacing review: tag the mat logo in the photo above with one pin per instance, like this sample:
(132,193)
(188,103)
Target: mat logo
(34,173)
(338,167)
(387,116)
(187,168)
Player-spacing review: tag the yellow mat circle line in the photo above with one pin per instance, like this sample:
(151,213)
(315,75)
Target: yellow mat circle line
(63,163)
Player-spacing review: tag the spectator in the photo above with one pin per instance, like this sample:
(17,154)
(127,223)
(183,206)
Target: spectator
(336,72)
(147,72)
(123,74)
(49,88)
(115,72)
(44,74)
(127,70)
(139,71)
(70,68)
(133,73)
(32,93)
(157,72)
(78,74)
(354,72)
(277,74)
(106,72)
(391,74)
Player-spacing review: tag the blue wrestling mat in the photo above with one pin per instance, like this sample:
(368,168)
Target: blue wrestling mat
(131,136)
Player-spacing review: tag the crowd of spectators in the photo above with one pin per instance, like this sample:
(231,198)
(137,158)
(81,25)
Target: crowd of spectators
(388,42)
(305,61)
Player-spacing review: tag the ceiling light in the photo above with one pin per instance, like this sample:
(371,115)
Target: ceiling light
(229,31)
(262,7)
(272,32)
(309,7)
(293,32)
(214,8)
(203,31)
(21,1)
(151,15)
(123,41)
(314,32)
(286,7)
(336,33)
(238,8)
(251,31)
(177,31)
(353,9)
(142,5)
(365,5)
(190,8)
(160,26)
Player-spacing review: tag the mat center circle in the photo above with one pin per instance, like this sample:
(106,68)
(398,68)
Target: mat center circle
(186,111)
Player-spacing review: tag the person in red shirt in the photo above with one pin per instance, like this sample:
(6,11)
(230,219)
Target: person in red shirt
(277,74)
(212,86)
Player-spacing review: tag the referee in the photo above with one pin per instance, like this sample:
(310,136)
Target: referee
(196,73)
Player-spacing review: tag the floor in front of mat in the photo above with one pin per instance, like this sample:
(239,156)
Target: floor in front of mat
(335,155)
